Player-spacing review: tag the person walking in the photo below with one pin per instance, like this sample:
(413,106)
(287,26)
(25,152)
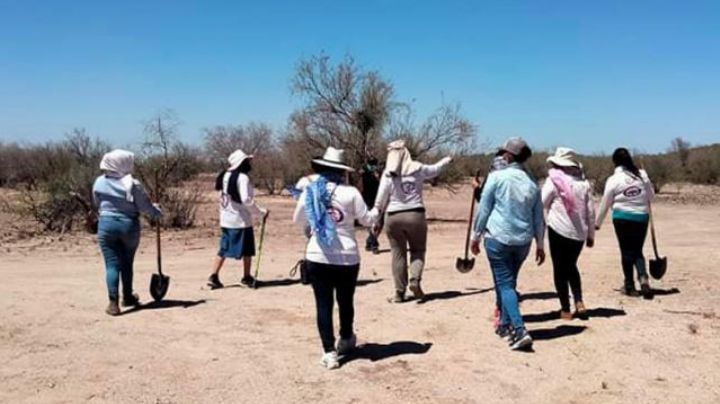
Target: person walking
(370,183)
(400,196)
(120,199)
(509,217)
(237,208)
(629,192)
(331,207)
(567,198)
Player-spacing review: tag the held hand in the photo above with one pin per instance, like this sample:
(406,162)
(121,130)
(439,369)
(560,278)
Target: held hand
(475,247)
(590,243)
(597,227)
(539,256)
(475,183)
(266,214)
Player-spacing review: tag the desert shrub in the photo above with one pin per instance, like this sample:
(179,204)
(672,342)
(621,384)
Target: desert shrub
(704,165)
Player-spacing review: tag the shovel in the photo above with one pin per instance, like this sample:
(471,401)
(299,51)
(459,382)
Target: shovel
(465,265)
(260,246)
(658,266)
(159,283)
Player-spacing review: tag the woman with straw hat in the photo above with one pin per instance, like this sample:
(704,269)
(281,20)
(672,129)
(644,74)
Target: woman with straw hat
(567,198)
(400,196)
(120,200)
(237,208)
(333,261)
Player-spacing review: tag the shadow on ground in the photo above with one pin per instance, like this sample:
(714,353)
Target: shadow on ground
(604,312)
(165,304)
(538,296)
(377,352)
(450,294)
(545,334)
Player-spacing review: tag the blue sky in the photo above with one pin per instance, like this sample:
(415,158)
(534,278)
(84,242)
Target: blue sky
(588,74)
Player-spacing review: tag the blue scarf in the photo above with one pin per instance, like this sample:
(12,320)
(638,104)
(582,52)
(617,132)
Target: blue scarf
(317,203)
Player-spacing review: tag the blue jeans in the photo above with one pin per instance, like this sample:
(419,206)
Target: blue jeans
(505,262)
(118,237)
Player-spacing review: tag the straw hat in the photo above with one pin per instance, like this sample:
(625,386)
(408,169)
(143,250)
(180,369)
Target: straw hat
(237,158)
(564,157)
(334,158)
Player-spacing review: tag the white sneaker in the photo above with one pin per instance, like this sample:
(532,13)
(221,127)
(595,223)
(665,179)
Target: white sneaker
(330,360)
(346,345)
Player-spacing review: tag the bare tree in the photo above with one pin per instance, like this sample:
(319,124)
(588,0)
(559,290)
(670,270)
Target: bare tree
(682,148)
(346,107)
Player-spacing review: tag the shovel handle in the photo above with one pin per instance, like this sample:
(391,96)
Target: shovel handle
(477,191)
(157,244)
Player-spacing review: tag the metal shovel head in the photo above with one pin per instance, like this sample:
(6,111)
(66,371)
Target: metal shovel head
(159,286)
(658,267)
(464,265)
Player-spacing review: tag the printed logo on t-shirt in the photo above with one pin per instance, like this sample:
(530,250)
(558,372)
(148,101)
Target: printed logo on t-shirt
(336,214)
(632,192)
(408,187)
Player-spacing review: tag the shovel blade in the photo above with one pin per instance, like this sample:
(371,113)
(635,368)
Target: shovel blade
(464,265)
(658,267)
(159,285)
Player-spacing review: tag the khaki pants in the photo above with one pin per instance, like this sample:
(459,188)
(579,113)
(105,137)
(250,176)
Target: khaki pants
(407,231)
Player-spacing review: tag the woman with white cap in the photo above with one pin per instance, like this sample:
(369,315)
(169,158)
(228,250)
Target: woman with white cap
(400,196)
(237,208)
(567,198)
(509,217)
(333,262)
(120,200)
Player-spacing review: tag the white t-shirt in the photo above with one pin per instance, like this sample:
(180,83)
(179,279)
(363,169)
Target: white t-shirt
(581,225)
(400,193)
(626,192)
(305,181)
(347,207)
(235,215)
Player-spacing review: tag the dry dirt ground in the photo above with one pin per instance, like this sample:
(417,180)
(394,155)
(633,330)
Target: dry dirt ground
(241,345)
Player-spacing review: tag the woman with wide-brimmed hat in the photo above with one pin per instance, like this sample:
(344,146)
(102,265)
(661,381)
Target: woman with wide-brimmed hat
(400,197)
(567,198)
(629,192)
(509,217)
(237,208)
(331,207)
(120,199)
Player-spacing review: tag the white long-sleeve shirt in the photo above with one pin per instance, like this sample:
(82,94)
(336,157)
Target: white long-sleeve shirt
(580,225)
(627,194)
(347,206)
(399,193)
(235,215)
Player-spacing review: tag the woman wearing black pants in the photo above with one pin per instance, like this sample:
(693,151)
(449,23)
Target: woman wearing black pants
(333,262)
(567,198)
(629,192)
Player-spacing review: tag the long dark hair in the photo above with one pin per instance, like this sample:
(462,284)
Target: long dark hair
(244,168)
(621,158)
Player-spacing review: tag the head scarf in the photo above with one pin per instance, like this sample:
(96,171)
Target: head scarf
(563,186)
(399,162)
(317,203)
(119,164)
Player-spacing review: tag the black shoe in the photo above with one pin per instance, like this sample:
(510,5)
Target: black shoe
(214,282)
(646,292)
(376,250)
(631,291)
(521,340)
(247,280)
(398,297)
(503,331)
(131,301)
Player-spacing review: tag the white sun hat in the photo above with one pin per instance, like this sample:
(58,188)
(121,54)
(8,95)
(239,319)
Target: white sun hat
(334,158)
(236,158)
(564,157)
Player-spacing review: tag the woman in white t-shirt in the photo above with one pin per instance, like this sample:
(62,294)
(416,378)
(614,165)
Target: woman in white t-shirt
(567,198)
(333,262)
(400,197)
(237,208)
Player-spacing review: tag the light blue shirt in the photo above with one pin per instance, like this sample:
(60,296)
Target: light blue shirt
(111,200)
(510,210)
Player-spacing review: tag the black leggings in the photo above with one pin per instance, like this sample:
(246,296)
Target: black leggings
(631,237)
(565,253)
(328,280)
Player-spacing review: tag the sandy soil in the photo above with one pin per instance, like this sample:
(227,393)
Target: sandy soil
(241,345)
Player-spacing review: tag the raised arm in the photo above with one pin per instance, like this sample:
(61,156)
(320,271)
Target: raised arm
(432,171)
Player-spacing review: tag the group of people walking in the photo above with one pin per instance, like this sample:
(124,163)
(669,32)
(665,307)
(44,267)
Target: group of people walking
(513,211)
